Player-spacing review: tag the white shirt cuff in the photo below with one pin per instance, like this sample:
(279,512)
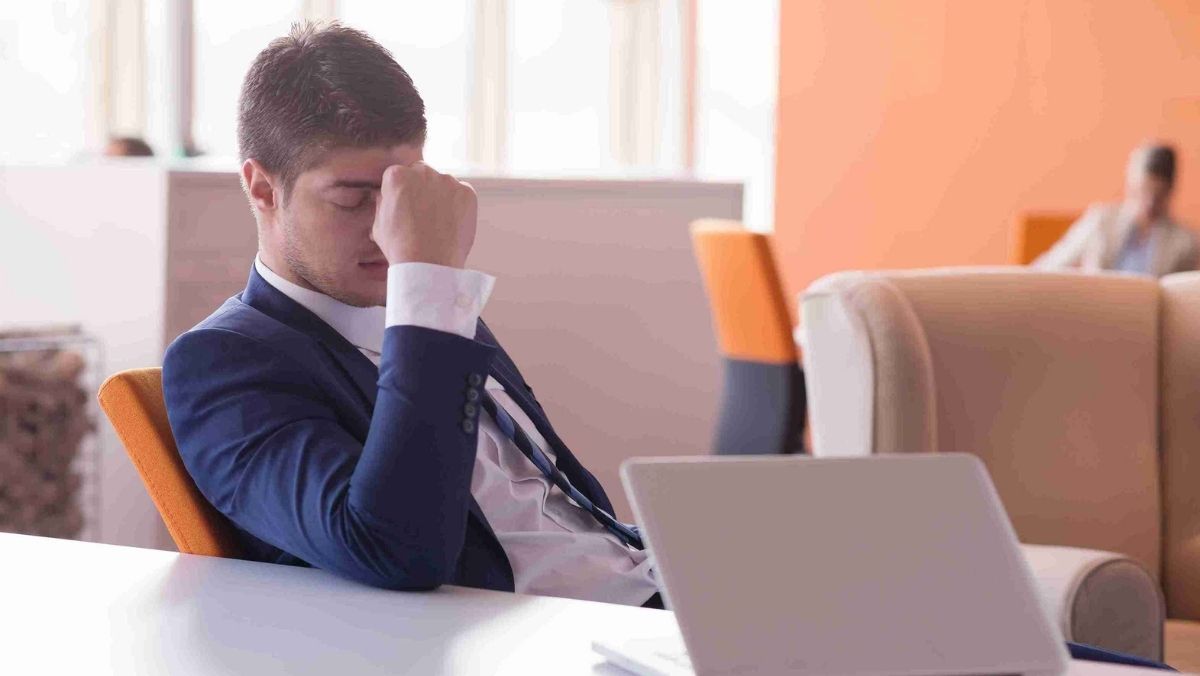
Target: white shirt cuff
(437,297)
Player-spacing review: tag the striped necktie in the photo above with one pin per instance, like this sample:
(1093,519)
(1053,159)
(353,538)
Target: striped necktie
(626,533)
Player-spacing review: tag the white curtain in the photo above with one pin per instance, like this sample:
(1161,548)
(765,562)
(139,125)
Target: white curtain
(635,76)
(487,121)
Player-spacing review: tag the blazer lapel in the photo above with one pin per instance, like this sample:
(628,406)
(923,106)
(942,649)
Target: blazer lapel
(503,368)
(505,372)
(361,370)
(271,301)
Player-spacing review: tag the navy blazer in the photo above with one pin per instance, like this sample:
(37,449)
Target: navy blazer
(319,458)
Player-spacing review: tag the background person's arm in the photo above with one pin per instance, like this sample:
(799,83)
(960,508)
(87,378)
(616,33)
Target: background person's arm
(1069,250)
(264,445)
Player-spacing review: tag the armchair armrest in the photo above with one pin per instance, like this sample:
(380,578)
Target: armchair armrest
(1100,598)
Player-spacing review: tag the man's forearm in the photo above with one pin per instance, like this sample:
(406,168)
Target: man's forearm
(415,470)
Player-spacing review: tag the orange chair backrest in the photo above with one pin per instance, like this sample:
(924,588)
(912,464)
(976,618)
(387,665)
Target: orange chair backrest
(745,292)
(1036,232)
(133,402)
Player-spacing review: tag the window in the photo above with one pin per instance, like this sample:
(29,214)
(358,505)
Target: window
(737,81)
(431,41)
(535,87)
(228,35)
(559,88)
(44,64)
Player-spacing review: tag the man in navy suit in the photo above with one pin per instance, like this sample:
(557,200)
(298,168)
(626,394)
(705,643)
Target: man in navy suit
(348,410)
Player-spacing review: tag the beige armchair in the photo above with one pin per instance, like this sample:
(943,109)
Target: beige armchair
(1080,393)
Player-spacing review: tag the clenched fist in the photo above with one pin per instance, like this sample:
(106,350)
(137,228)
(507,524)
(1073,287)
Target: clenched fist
(423,216)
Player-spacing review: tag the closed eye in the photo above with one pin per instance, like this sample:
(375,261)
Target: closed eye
(352,200)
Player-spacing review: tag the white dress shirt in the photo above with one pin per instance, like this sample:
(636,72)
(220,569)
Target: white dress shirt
(554,547)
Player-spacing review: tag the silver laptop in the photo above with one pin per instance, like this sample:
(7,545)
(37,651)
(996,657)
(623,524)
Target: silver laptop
(792,565)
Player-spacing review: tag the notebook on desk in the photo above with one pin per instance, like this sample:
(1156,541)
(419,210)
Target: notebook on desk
(794,565)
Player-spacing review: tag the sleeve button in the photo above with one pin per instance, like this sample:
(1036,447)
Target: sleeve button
(472,394)
(470,410)
(474,380)
(468,426)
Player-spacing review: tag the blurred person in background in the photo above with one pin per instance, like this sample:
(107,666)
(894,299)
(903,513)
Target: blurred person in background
(127,146)
(1138,235)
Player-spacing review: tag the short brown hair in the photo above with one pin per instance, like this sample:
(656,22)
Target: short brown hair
(1160,162)
(324,86)
(1155,159)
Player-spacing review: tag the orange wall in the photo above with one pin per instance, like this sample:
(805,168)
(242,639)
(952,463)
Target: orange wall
(911,132)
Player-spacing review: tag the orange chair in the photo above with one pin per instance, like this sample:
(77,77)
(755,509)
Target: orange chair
(763,399)
(1036,232)
(133,402)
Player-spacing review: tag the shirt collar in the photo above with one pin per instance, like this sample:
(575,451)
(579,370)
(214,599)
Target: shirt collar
(362,326)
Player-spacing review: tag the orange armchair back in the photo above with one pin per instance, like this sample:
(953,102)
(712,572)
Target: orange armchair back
(750,312)
(133,402)
(1036,232)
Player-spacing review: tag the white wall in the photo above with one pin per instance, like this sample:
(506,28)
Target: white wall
(86,245)
(600,302)
(598,299)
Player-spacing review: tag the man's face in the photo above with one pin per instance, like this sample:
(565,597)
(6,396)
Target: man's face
(323,229)
(1148,196)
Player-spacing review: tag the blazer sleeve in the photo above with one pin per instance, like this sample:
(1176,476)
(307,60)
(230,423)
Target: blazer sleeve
(1068,251)
(264,445)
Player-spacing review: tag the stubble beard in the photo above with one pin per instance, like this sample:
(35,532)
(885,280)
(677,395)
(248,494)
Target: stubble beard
(302,266)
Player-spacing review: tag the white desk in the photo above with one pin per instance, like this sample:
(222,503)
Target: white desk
(79,608)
